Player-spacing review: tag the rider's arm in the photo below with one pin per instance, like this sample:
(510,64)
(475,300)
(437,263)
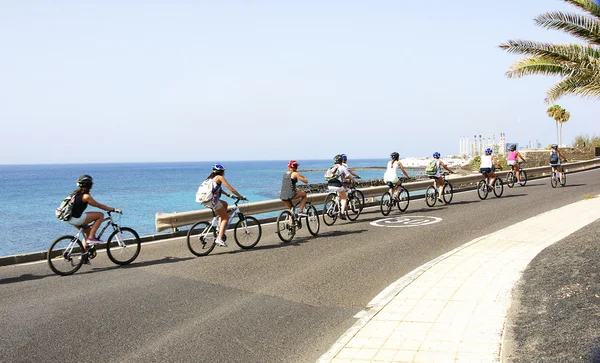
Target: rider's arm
(561,155)
(519,156)
(403,170)
(298,176)
(224,182)
(91,201)
(445,167)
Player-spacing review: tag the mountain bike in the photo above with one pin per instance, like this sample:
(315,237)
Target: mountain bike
(432,194)
(332,206)
(483,188)
(511,177)
(66,253)
(400,198)
(555,178)
(202,235)
(288,223)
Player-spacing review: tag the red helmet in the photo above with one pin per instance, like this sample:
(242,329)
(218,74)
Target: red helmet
(293,164)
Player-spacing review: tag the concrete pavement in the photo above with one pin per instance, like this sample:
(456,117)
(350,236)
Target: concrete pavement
(454,308)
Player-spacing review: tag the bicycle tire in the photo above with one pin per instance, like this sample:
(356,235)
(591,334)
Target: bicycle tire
(247,232)
(313,223)
(132,246)
(196,242)
(498,187)
(286,226)
(448,193)
(554,179)
(482,189)
(361,197)
(430,196)
(403,199)
(354,207)
(523,174)
(330,212)
(510,181)
(563,182)
(385,204)
(60,263)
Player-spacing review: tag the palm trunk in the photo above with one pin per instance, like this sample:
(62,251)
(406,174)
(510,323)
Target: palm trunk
(557,139)
(560,135)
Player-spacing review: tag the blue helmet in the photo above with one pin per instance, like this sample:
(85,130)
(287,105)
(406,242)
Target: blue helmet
(436,155)
(488,151)
(344,157)
(217,167)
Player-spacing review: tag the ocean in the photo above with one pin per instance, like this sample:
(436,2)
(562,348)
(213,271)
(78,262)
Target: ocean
(29,194)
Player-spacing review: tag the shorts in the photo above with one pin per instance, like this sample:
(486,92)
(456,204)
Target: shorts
(391,180)
(511,162)
(434,177)
(79,221)
(555,165)
(217,206)
(485,170)
(333,188)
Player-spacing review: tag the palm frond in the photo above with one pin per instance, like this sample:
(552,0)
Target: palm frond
(575,86)
(588,6)
(583,27)
(538,65)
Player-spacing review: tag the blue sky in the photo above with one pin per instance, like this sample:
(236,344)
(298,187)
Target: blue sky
(126,81)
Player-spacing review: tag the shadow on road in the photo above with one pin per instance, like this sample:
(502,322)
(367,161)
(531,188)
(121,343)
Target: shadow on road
(24,277)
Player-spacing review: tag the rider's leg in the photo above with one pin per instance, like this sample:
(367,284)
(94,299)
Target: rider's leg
(90,233)
(493,176)
(440,185)
(301,194)
(224,218)
(560,173)
(344,200)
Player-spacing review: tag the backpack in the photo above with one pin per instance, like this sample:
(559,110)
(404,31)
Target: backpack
(205,192)
(432,168)
(331,173)
(64,211)
(554,158)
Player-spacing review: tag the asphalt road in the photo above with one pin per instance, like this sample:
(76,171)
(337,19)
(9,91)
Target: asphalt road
(274,303)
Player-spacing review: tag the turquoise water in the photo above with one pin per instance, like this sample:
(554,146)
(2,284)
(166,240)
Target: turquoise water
(30,193)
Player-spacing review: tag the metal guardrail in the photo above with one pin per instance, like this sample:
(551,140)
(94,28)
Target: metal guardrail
(165,221)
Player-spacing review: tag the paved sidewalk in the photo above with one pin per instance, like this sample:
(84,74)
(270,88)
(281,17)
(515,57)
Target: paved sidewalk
(454,308)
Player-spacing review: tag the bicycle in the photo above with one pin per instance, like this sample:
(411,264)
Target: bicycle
(288,223)
(432,194)
(332,206)
(401,198)
(66,253)
(555,178)
(483,188)
(511,177)
(202,235)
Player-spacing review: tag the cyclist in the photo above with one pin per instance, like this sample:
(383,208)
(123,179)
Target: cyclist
(437,176)
(216,204)
(488,161)
(390,177)
(513,157)
(79,217)
(288,188)
(345,159)
(555,156)
(336,184)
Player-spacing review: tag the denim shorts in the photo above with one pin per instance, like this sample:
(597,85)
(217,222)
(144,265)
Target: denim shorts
(485,170)
(77,221)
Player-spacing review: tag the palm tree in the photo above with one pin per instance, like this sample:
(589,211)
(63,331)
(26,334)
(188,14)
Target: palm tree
(564,117)
(555,112)
(578,65)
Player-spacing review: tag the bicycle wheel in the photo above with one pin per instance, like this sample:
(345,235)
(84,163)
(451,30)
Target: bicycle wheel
(498,187)
(430,196)
(563,182)
(201,239)
(523,178)
(385,204)
(64,255)
(247,232)
(448,193)
(360,197)
(354,207)
(403,199)
(312,220)
(123,246)
(554,179)
(286,226)
(482,189)
(330,209)
(510,181)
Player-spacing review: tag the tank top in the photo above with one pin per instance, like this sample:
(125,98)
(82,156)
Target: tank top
(486,161)
(216,190)
(512,156)
(79,206)
(288,186)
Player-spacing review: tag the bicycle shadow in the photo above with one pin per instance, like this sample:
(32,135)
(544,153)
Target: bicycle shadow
(572,185)
(23,278)
(164,260)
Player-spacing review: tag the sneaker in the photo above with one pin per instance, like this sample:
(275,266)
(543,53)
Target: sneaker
(342,216)
(440,199)
(302,214)
(93,240)
(220,243)
(518,181)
